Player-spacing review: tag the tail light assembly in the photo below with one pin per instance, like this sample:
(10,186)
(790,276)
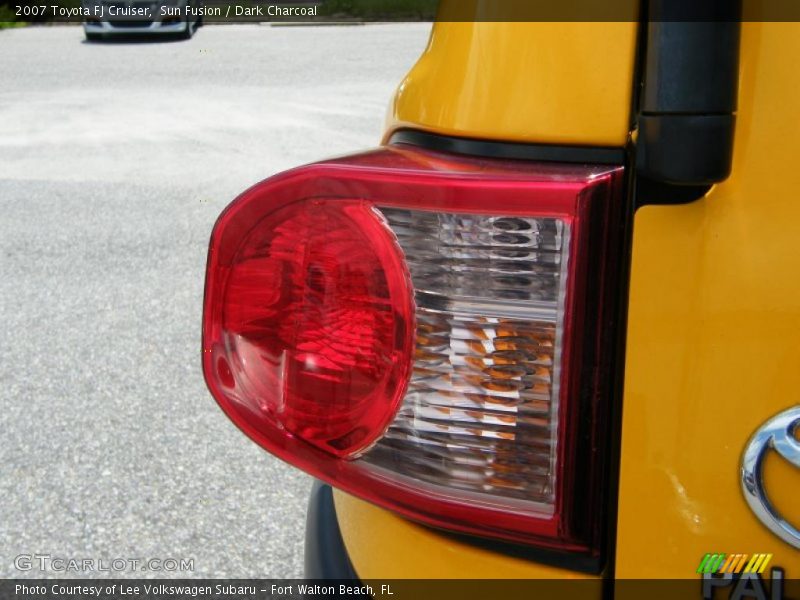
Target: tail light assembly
(428,332)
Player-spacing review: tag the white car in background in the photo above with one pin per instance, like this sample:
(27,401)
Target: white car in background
(112,18)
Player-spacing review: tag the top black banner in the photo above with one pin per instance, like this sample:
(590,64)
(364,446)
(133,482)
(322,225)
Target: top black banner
(326,11)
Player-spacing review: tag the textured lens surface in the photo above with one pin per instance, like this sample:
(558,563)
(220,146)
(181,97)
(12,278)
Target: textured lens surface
(480,413)
(316,316)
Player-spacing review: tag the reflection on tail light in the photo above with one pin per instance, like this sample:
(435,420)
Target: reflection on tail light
(481,411)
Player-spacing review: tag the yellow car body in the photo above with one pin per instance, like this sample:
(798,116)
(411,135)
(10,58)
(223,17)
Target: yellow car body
(713,332)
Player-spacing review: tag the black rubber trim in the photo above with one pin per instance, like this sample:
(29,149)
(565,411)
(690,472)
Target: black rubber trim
(650,191)
(600,155)
(325,553)
(688,96)
(617,381)
(692,68)
(685,149)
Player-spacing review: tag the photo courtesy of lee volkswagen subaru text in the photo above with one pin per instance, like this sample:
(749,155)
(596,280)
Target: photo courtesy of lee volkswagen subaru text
(550,327)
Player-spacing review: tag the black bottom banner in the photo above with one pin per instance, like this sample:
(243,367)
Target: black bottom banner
(772,587)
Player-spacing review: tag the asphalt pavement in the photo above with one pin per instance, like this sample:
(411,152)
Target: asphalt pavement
(115,160)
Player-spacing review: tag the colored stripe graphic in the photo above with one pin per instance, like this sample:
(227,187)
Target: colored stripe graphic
(759,563)
(765,563)
(749,567)
(718,563)
(702,567)
(734,563)
(741,563)
(729,562)
(756,565)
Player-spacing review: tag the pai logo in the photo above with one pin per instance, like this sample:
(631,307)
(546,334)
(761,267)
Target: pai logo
(734,563)
(739,576)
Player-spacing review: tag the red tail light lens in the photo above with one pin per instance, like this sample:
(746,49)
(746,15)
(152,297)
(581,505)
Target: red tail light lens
(317,323)
(426,332)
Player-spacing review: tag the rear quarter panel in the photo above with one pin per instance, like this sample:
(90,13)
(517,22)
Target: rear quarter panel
(714,338)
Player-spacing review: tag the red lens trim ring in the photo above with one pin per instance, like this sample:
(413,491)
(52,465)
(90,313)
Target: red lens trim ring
(342,193)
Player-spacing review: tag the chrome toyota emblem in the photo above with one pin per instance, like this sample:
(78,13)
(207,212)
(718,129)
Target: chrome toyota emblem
(777,434)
